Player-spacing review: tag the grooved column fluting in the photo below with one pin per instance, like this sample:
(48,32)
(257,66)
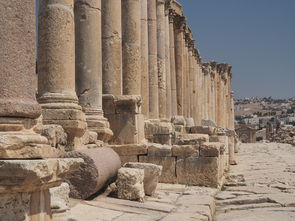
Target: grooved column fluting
(131,47)
(167,65)
(179,61)
(153,62)
(172,63)
(144,59)
(111,47)
(185,77)
(161,57)
(56,68)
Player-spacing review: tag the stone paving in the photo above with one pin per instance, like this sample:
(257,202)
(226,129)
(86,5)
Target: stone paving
(171,202)
(261,187)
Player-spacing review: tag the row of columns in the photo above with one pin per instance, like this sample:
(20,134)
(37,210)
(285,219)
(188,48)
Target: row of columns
(129,47)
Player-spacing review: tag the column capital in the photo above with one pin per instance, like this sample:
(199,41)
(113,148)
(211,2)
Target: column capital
(180,22)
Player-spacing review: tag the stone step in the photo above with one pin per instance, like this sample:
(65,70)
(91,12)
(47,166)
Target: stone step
(243,200)
(247,207)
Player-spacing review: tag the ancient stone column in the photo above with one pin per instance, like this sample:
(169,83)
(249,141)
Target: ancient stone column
(186,75)
(19,109)
(56,69)
(153,61)
(167,64)
(172,63)
(131,47)
(191,79)
(144,59)
(179,61)
(88,65)
(111,47)
(161,58)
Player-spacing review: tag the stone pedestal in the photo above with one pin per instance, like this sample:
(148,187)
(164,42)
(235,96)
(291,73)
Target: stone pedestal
(126,120)
(56,69)
(158,131)
(88,65)
(24,187)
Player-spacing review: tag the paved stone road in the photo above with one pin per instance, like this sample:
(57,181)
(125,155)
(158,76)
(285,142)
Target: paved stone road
(171,202)
(261,187)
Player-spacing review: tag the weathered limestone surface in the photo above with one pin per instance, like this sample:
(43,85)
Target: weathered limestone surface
(144,58)
(130,184)
(126,120)
(99,169)
(25,186)
(88,65)
(56,69)
(161,36)
(112,47)
(153,64)
(151,175)
(131,47)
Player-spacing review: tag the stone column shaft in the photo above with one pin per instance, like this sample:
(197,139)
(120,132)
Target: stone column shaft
(111,47)
(19,109)
(131,47)
(153,63)
(172,65)
(161,57)
(179,62)
(144,59)
(168,67)
(56,69)
(88,65)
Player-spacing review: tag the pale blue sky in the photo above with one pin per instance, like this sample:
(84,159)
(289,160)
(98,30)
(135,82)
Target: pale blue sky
(256,36)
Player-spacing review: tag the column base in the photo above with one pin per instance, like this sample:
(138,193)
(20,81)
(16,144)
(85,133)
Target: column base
(24,186)
(18,139)
(73,122)
(98,123)
(126,121)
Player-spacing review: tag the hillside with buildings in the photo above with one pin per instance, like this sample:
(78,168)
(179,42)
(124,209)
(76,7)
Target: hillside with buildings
(270,119)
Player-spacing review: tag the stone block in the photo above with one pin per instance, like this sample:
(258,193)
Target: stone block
(159,150)
(126,159)
(178,120)
(60,198)
(168,164)
(158,132)
(210,149)
(130,149)
(203,171)
(130,184)
(209,123)
(179,128)
(128,128)
(108,104)
(151,175)
(189,122)
(190,139)
(56,136)
(203,130)
(184,151)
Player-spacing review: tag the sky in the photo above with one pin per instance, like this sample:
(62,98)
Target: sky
(257,37)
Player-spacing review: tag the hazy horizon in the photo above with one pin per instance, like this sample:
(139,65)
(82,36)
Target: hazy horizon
(255,37)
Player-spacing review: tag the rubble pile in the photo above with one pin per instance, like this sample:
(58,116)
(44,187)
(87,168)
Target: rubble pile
(284,135)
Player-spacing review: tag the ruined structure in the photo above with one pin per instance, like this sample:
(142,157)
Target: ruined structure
(120,73)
